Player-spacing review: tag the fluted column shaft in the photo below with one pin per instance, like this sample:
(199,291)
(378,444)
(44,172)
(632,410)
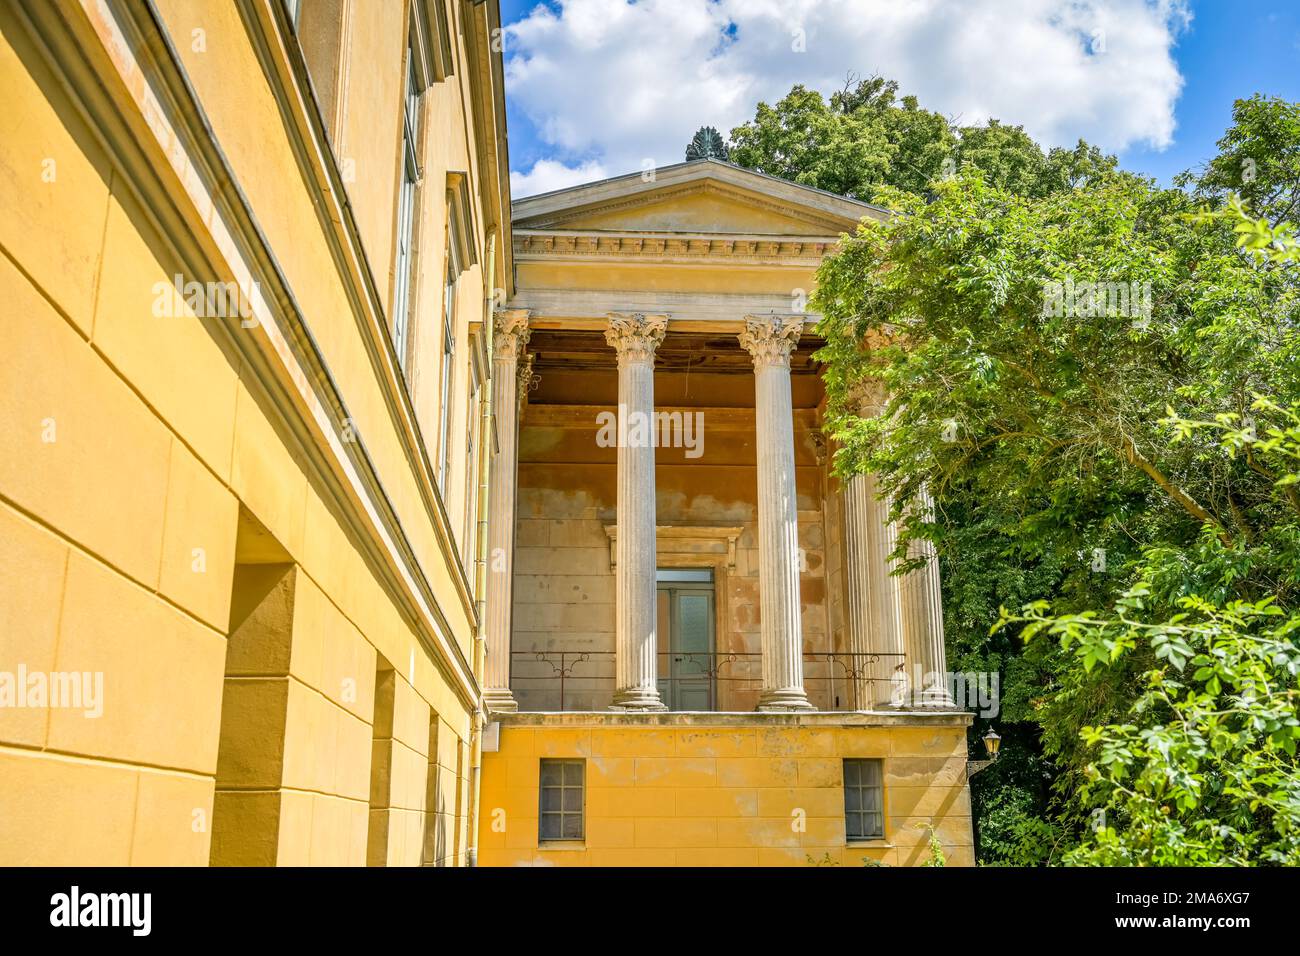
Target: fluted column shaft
(769,340)
(875,622)
(635,337)
(886,603)
(510,335)
(922,613)
(872,594)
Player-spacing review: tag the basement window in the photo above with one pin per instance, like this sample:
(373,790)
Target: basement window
(864,806)
(560,812)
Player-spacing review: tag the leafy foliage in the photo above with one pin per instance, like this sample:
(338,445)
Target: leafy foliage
(1097,381)
(866,136)
(1202,769)
(1258,160)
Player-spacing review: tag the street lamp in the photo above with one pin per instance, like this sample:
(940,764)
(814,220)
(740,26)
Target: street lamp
(991,743)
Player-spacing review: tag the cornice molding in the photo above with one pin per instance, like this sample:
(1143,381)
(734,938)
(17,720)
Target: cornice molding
(536,244)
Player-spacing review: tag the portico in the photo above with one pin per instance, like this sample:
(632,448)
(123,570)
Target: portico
(643,303)
(704,634)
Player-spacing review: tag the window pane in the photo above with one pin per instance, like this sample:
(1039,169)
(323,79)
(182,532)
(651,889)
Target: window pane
(851,774)
(573,773)
(853,826)
(550,773)
(871,799)
(702,575)
(573,799)
(870,773)
(551,799)
(550,828)
(572,826)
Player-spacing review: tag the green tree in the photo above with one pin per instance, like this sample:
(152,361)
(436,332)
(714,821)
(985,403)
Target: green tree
(1034,399)
(1202,770)
(865,136)
(1258,160)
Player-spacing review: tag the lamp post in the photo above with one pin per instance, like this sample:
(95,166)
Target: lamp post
(991,743)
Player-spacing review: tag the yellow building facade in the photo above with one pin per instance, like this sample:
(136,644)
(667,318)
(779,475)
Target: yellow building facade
(249,253)
(329,532)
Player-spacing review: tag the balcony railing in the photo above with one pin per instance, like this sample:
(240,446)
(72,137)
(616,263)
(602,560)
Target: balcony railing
(558,679)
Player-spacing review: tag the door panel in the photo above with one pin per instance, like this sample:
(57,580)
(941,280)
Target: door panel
(691,651)
(685,636)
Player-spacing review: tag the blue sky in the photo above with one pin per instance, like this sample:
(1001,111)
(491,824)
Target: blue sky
(1230,51)
(602,87)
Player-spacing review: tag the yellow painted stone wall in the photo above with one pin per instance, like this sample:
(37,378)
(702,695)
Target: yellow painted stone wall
(728,790)
(136,452)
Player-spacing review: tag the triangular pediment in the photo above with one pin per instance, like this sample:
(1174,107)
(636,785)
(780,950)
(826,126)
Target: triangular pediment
(700,197)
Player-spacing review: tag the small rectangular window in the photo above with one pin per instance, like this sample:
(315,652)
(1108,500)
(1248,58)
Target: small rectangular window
(864,806)
(560,811)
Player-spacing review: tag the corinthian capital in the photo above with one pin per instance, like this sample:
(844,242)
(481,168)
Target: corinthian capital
(867,397)
(510,333)
(771,338)
(635,335)
(524,379)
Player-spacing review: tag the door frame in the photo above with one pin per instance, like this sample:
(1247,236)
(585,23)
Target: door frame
(675,589)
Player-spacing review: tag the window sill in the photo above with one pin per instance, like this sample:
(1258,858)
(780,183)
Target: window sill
(880,844)
(562,845)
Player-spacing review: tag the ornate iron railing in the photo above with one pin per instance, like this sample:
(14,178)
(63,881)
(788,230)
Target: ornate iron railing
(834,679)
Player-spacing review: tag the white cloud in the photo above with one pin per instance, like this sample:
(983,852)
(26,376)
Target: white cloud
(631,82)
(549,174)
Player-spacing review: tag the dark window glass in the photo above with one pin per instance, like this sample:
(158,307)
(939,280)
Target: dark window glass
(560,807)
(864,805)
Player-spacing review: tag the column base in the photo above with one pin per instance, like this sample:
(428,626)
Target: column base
(935,693)
(936,697)
(783,701)
(638,699)
(500,700)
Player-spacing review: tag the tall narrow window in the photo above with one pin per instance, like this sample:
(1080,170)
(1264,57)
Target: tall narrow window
(472,418)
(448,354)
(406,210)
(561,809)
(864,809)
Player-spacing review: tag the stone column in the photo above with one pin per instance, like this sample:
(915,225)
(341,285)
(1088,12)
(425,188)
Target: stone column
(922,613)
(510,335)
(769,340)
(875,622)
(635,337)
(872,594)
